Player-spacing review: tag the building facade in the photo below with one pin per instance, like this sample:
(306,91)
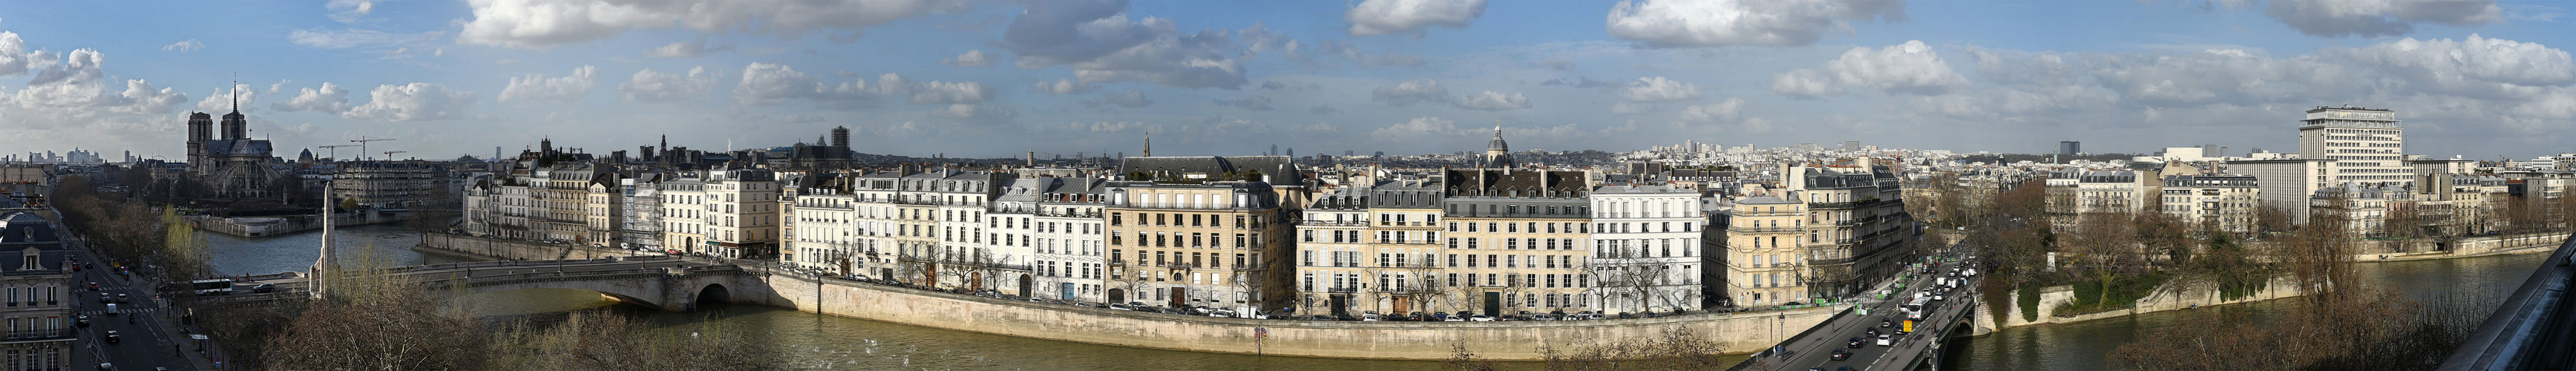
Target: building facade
(39,307)
(1645,243)
(1220,244)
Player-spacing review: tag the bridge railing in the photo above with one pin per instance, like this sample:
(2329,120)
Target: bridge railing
(1811,330)
(2533,329)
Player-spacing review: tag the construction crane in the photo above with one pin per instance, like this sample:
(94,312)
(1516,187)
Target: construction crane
(362,144)
(389,155)
(335,150)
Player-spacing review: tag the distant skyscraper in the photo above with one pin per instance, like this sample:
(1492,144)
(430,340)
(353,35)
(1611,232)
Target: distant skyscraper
(2069,148)
(1274,150)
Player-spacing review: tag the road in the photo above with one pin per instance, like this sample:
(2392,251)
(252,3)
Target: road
(1815,350)
(148,340)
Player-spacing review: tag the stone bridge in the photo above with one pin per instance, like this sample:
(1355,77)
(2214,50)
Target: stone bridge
(670,283)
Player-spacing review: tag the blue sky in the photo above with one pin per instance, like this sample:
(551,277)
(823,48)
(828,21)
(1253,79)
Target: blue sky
(449,78)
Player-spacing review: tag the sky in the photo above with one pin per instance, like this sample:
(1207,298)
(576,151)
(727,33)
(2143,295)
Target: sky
(2474,78)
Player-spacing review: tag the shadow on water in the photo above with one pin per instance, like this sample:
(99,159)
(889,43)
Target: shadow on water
(2088,345)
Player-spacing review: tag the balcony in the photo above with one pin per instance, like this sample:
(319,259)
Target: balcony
(1844,205)
(1765,213)
(1744,229)
(1343,290)
(1331,223)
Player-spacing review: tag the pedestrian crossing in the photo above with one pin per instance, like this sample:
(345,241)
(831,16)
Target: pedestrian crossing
(120,311)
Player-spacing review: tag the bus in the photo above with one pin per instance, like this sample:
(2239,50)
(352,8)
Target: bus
(212,287)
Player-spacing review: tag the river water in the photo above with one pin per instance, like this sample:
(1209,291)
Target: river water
(815,341)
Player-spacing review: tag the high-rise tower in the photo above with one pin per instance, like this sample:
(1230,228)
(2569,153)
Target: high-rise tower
(2367,144)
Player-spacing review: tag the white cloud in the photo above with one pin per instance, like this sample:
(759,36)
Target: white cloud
(933,92)
(686,49)
(417,101)
(1129,99)
(279,86)
(972,58)
(349,11)
(1658,88)
(1378,17)
(1419,127)
(653,86)
(542,24)
(13,54)
(184,46)
(76,87)
(506,62)
(222,100)
(1699,23)
(2373,18)
(1492,101)
(542,89)
(2477,65)
(1910,68)
(357,38)
(1714,112)
(1098,42)
(766,84)
(1065,87)
(975,114)
(1410,92)
(330,99)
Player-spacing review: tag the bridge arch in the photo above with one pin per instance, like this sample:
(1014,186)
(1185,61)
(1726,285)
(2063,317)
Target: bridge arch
(713,293)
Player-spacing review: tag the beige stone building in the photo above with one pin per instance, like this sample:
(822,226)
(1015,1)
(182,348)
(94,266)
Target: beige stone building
(1518,240)
(2226,203)
(1764,248)
(1220,244)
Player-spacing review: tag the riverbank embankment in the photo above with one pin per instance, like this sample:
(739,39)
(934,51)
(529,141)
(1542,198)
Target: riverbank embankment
(256,227)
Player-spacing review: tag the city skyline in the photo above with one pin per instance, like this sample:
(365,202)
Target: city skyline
(979,79)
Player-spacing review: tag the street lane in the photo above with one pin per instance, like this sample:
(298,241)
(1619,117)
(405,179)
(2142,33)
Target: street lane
(1815,349)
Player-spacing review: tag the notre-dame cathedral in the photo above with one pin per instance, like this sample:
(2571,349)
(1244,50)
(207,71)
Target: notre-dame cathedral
(233,166)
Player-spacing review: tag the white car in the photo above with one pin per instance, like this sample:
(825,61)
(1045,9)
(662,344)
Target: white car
(1886,340)
(1480,318)
(1454,319)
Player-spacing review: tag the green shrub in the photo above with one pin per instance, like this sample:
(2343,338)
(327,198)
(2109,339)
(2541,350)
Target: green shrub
(2029,300)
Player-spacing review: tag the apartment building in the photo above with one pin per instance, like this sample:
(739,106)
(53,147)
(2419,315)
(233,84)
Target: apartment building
(1645,241)
(1333,254)
(1403,237)
(824,227)
(742,213)
(2226,203)
(1218,244)
(1763,239)
(39,307)
(1516,240)
(1859,232)
(684,213)
(1072,252)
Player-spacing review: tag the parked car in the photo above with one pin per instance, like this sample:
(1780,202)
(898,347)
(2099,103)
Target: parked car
(1320,317)
(1371,317)
(1453,319)
(1480,318)
(1120,307)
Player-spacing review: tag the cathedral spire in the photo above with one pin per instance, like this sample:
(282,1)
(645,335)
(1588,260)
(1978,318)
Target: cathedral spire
(1149,144)
(236,96)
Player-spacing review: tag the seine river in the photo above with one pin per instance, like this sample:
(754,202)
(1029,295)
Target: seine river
(824,342)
